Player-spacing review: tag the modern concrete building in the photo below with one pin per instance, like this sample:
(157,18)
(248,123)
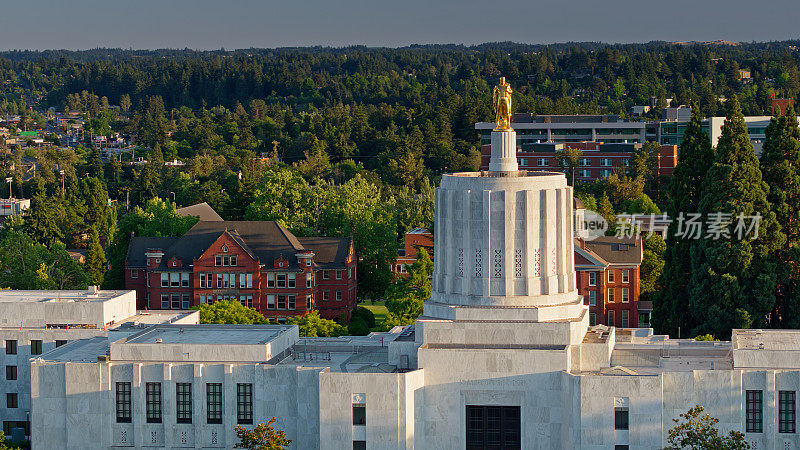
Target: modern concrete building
(607,129)
(503,356)
(35,322)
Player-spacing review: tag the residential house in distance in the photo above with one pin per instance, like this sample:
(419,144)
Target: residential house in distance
(260,264)
(412,242)
(36,322)
(13,206)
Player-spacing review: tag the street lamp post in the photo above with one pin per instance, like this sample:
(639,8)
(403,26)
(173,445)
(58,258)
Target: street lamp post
(63,192)
(9,180)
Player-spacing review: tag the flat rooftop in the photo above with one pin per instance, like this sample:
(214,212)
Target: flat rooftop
(65,296)
(82,351)
(209,334)
(354,354)
(156,317)
(757,339)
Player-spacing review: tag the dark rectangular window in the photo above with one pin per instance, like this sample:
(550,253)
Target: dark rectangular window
(11,372)
(754,411)
(786,412)
(59,343)
(621,418)
(11,347)
(359,445)
(153,391)
(183,397)
(359,414)
(36,347)
(493,427)
(244,403)
(214,402)
(124,402)
(11,400)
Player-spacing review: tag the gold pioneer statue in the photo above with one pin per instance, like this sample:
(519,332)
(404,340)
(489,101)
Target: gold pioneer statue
(501,98)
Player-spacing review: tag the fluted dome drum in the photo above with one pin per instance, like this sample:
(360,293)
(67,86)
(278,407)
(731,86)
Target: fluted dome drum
(504,239)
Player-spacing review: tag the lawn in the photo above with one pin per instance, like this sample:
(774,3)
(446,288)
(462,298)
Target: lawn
(378,309)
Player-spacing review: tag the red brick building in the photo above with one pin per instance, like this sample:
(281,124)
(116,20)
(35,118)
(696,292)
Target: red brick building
(607,270)
(260,264)
(599,160)
(412,242)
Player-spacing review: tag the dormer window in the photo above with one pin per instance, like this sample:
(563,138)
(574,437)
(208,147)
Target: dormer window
(225,248)
(308,263)
(174,263)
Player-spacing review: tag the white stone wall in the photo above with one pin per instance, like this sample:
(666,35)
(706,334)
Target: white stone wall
(65,395)
(21,360)
(504,241)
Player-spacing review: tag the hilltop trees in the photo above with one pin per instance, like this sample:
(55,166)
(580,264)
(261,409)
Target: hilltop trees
(670,306)
(733,278)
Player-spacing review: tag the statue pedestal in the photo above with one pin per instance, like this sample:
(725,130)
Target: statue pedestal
(504,151)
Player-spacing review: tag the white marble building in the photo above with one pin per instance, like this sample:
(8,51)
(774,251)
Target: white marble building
(502,357)
(36,322)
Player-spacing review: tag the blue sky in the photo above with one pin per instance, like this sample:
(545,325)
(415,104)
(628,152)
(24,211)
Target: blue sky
(207,24)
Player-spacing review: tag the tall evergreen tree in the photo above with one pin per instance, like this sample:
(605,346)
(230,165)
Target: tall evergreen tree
(95,259)
(780,166)
(733,278)
(695,156)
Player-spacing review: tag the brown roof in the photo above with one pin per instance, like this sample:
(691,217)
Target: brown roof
(616,250)
(263,240)
(202,210)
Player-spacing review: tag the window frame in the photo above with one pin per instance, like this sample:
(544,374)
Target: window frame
(625,295)
(244,403)
(183,402)
(11,347)
(610,295)
(787,412)
(153,402)
(621,419)
(12,400)
(12,374)
(214,403)
(592,279)
(754,411)
(359,414)
(124,402)
(36,346)
(626,276)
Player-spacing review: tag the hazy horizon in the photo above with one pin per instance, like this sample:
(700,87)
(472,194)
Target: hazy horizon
(242,24)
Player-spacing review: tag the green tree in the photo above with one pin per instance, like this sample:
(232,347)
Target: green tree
(157,218)
(780,166)
(733,280)
(697,431)
(365,314)
(263,437)
(312,325)
(357,327)
(95,259)
(652,266)
(24,264)
(404,297)
(670,304)
(229,312)
(568,160)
